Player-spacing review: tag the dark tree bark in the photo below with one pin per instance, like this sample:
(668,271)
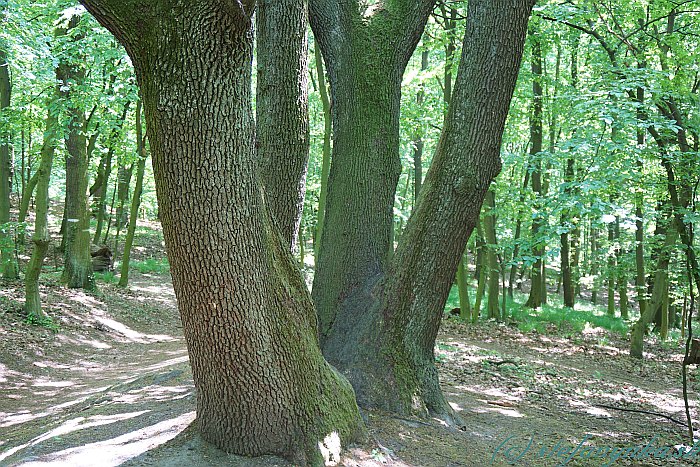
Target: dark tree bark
(262,384)
(282,110)
(386,346)
(366,50)
(77,269)
(8,264)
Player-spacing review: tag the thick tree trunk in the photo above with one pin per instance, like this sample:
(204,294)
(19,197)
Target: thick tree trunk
(77,269)
(366,50)
(388,350)
(282,110)
(135,199)
(566,263)
(8,264)
(262,384)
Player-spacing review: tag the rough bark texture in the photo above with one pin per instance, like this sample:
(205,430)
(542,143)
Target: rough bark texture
(366,49)
(282,109)
(262,384)
(387,348)
(8,265)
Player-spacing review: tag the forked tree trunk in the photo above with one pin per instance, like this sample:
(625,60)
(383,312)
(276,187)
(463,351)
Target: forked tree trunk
(366,50)
(77,268)
(386,346)
(282,135)
(262,384)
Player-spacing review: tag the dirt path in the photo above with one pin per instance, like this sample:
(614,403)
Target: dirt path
(114,382)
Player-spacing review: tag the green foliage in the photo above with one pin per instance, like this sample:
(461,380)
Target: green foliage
(43,321)
(152,265)
(107,277)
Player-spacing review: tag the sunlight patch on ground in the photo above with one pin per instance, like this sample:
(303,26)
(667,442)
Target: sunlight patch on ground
(115,451)
(135,336)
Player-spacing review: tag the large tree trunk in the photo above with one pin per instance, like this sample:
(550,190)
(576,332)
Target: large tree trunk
(366,53)
(282,109)
(77,269)
(387,347)
(262,384)
(8,265)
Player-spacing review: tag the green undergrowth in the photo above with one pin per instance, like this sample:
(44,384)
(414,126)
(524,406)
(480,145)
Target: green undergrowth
(151,265)
(552,317)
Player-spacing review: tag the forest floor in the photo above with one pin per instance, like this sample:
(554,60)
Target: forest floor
(108,383)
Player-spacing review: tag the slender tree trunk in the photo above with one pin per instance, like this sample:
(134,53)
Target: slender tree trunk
(594,264)
(326,157)
(537,288)
(465,310)
(480,270)
(27,193)
(418,144)
(104,171)
(121,218)
(282,133)
(399,313)
(566,263)
(660,285)
(135,199)
(611,270)
(8,264)
(621,272)
(248,320)
(491,257)
(41,238)
(518,230)
(77,269)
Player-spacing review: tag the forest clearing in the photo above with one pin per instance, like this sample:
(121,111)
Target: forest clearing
(349,232)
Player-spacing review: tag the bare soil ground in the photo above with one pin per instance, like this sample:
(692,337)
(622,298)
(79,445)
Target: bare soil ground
(112,386)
